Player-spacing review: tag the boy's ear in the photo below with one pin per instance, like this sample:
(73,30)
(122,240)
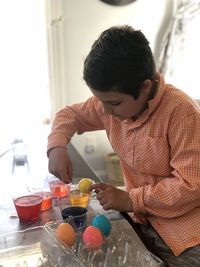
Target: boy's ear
(146,87)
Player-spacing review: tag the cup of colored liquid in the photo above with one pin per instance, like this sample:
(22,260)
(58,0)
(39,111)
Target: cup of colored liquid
(77,216)
(47,200)
(58,188)
(28,206)
(78,198)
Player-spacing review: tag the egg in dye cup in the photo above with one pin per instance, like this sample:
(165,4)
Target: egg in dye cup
(79,193)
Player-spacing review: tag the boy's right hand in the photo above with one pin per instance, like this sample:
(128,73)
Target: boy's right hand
(60,164)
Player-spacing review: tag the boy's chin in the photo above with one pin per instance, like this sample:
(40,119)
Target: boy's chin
(123,119)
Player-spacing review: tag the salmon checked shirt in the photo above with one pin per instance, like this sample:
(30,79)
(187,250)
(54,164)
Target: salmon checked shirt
(160,159)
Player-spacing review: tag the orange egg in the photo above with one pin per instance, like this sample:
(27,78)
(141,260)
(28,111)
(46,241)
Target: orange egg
(66,233)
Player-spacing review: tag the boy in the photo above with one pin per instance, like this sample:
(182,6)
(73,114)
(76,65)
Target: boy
(155,130)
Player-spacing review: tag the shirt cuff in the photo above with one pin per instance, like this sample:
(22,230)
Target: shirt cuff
(56,140)
(137,197)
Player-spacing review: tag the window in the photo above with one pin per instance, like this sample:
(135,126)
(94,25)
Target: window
(24,83)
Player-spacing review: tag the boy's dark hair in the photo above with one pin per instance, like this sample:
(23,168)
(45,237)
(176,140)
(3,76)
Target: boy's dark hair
(119,60)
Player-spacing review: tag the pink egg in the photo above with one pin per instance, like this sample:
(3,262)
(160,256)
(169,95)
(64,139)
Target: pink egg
(92,237)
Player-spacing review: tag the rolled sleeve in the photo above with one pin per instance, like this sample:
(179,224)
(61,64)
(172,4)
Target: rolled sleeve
(137,197)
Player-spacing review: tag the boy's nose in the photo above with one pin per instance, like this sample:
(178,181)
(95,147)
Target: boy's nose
(107,110)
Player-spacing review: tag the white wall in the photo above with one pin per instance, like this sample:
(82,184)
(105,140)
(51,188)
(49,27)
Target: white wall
(84,20)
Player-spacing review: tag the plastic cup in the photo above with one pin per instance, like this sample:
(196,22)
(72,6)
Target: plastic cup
(28,206)
(76,216)
(58,188)
(47,201)
(78,198)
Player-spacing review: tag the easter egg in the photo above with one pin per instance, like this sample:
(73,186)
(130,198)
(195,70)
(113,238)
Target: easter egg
(66,233)
(84,185)
(102,223)
(92,237)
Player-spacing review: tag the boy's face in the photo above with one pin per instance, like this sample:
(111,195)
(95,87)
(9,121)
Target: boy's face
(121,105)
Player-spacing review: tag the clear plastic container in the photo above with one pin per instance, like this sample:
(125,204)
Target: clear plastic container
(39,247)
(35,247)
(119,249)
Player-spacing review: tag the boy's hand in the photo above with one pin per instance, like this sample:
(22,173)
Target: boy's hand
(111,197)
(59,164)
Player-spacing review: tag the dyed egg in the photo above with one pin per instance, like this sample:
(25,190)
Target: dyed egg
(66,233)
(102,223)
(84,185)
(92,237)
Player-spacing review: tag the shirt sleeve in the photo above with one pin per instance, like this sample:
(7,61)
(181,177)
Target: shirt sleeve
(180,193)
(77,118)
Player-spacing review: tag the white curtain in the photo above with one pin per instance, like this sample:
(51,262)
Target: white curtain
(56,51)
(172,45)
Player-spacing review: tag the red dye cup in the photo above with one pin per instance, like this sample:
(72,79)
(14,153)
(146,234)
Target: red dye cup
(28,206)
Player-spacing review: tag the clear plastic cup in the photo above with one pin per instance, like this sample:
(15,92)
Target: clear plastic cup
(47,200)
(28,205)
(75,215)
(78,198)
(37,186)
(57,187)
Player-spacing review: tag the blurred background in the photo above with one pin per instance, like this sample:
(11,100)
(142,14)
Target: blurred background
(43,46)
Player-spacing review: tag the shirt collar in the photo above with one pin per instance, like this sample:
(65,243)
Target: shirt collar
(160,89)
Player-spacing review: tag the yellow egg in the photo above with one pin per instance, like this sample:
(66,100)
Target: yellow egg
(66,233)
(84,185)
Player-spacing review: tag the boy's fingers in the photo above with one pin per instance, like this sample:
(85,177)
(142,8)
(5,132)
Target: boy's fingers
(98,186)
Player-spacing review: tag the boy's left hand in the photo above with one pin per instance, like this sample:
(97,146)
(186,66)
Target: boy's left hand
(111,197)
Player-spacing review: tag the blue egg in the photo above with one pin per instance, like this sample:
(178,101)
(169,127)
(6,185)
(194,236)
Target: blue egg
(102,223)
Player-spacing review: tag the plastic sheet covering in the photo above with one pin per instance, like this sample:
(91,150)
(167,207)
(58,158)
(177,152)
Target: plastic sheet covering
(172,45)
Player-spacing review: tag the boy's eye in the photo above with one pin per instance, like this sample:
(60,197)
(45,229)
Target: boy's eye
(115,103)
